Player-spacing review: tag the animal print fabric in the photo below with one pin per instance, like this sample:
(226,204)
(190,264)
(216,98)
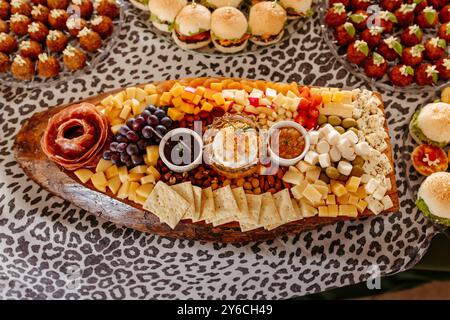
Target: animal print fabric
(49,249)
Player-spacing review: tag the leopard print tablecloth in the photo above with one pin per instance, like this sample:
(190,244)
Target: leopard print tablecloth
(50,249)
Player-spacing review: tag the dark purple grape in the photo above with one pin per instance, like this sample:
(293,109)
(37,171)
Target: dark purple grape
(121,147)
(166,122)
(160,113)
(138,124)
(161,130)
(147,132)
(153,120)
(132,149)
(121,138)
(137,159)
(133,136)
(115,158)
(151,108)
(125,157)
(130,123)
(124,130)
(113,146)
(145,114)
(142,144)
(107,154)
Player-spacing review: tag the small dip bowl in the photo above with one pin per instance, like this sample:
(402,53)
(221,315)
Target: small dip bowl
(286,135)
(173,146)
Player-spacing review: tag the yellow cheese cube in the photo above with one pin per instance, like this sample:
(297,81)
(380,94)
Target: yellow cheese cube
(123,174)
(131,92)
(196,99)
(331,199)
(139,169)
(152,170)
(218,98)
(187,95)
(114,184)
(152,155)
(112,172)
(361,192)
(333,210)
(140,200)
(187,107)
(348,210)
(123,191)
(206,106)
(313,174)
(107,101)
(84,175)
(323,190)
(343,199)
(177,90)
(165,98)
(126,110)
(338,189)
(326,96)
(145,190)
(99,179)
(177,102)
(175,114)
(140,94)
(115,129)
(352,199)
(323,211)
(200,91)
(216,86)
(148,179)
(361,206)
(152,99)
(132,190)
(150,89)
(137,107)
(99,187)
(209,94)
(307,209)
(133,176)
(352,184)
(297,191)
(197,110)
(337,97)
(312,194)
(103,165)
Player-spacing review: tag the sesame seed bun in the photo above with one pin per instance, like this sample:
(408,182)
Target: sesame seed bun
(267,18)
(192,19)
(435,192)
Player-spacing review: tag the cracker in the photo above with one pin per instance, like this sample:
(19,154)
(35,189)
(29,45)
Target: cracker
(241,200)
(298,212)
(185,190)
(254,208)
(225,205)
(269,215)
(197,191)
(208,212)
(284,205)
(166,204)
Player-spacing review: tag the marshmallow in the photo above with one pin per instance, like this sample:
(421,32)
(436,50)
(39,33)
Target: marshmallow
(344,167)
(313,137)
(324,160)
(322,147)
(351,136)
(343,144)
(333,137)
(335,154)
(362,149)
(311,157)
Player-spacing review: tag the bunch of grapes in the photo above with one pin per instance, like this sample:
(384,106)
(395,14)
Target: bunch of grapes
(129,145)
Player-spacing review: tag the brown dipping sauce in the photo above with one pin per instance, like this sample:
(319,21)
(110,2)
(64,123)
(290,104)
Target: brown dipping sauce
(291,143)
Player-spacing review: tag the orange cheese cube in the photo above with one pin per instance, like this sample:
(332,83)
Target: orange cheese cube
(333,210)
(206,106)
(123,191)
(343,199)
(152,170)
(84,175)
(165,98)
(177,102)
(176,90)
(144,190)
(112,172)
(323,211)
(353,199)
(216,86)
(197,110)
(175,114)
(200,91)
(114,184)
(218,98)
(196,99)
(187,95)
(338,189)
(209,94)
(187,108)
(352,184)
(133,176)
(132,190)
(361,206)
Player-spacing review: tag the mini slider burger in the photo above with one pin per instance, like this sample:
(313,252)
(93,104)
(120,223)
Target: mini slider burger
(229,30)
(192,25)
(431,124)
(297,8)
(267,20)
(214,4)
(434,198)
(163,13)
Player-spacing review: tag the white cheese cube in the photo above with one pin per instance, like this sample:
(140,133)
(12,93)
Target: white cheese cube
(343,144)
(322,147)
(324,160)
(313,137)
(333,137)
(349,154)
(311,157)
(387,202)
(374,205)
(362,149)
(279,100)
(365,178)
(256,93)
(371,186)
(350,136)
(345,167)
(388,184)
(379,192)
(327,129)
(228,94)
(335,154)
(271,93)
(239,97)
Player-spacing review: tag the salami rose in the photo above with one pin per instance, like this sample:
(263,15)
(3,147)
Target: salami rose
(75,137)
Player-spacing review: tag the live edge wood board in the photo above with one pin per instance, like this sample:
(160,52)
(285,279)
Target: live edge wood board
(51,177)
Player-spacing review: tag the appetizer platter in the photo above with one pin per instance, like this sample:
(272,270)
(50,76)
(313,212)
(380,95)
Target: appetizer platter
(43,42)
(225,26)
(427,155)
(216,159)
(400,45)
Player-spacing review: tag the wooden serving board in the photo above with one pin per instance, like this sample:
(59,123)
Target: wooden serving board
(65,185)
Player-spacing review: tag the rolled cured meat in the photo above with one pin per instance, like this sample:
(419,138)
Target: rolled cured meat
(75,137)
